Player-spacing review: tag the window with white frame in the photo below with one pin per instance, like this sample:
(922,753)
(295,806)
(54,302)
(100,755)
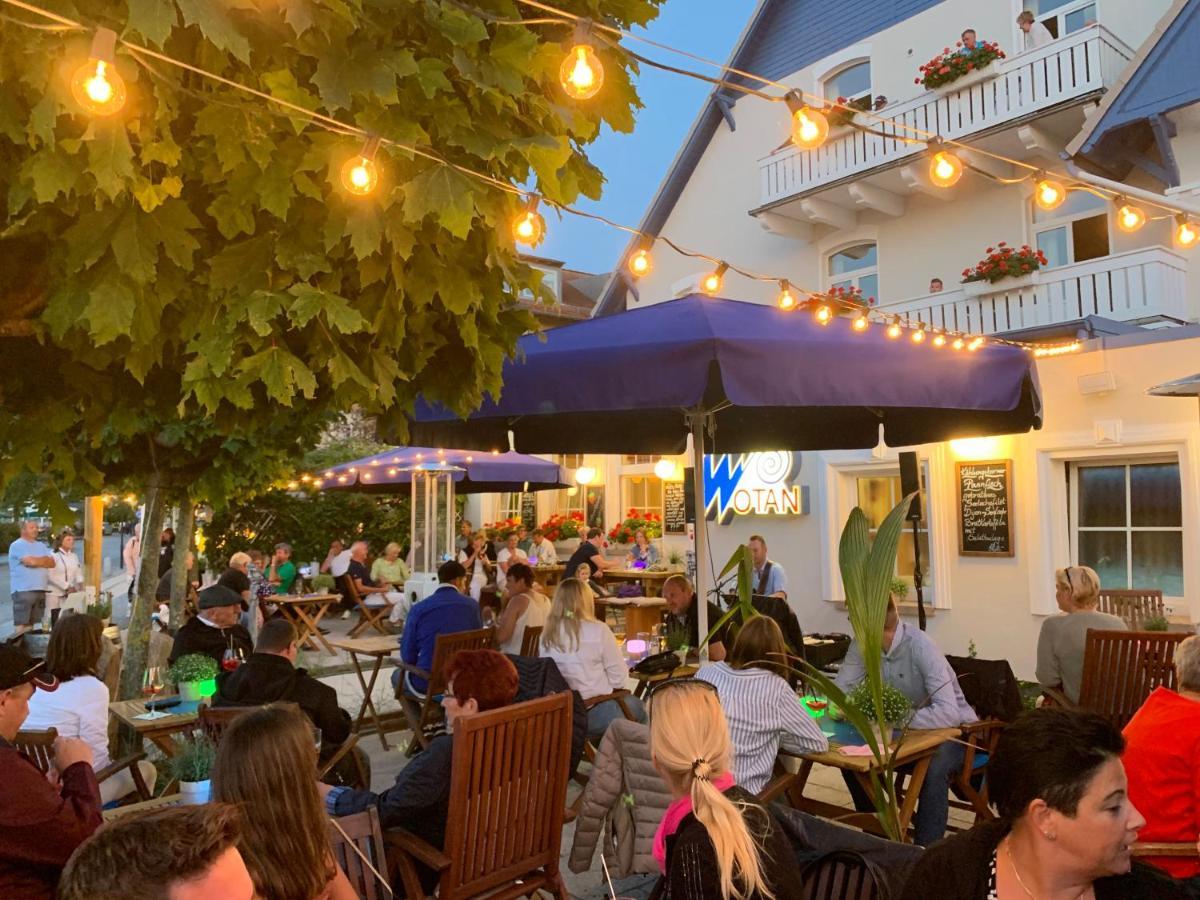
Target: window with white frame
(642,492)
(878,494)
(587,500)
(1063,17)
(1075,232)
(852,82)
(856,266)
(1127,523)
(570,460)
(510,506)
(639,460)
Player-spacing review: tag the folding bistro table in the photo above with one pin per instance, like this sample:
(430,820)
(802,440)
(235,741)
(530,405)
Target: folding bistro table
(380,647)
(305,612)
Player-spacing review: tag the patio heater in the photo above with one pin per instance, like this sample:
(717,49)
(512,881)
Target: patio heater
(431,526)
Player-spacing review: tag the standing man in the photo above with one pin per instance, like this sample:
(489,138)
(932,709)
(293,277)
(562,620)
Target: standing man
(29,562)
(769,578)
(462,543)
(590,551)
(282,573)
(1036,34)
(510,553)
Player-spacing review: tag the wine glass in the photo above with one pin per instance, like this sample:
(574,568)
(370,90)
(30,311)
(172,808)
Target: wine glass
(816,701)
(231,659)
(152,684)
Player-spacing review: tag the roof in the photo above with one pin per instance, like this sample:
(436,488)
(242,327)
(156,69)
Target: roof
(1163,75)
(781,38)
(1181,387)
(1074,329)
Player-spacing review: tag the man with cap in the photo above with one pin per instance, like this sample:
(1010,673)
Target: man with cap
(217,627)
(41,823)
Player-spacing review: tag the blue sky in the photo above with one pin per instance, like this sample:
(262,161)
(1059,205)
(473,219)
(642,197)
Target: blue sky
(634,164)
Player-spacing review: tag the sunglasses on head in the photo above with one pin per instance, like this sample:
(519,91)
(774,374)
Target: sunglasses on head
(676,682)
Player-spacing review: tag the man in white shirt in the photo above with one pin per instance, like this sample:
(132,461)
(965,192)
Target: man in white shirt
(542,550)
(509,554)
(1036,34)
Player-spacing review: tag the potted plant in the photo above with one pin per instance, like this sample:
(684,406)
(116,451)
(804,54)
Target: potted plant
(899,588)
(649,522)
(192,767)
(675,559)
(503,528)
(102,609)
(1156,623)
(322,583)
(958,68)
(195,675)
(896,709)
(563,531)
(1016,267)
(676,635)
(842,115)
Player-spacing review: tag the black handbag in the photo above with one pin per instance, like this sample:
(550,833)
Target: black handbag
(659,664)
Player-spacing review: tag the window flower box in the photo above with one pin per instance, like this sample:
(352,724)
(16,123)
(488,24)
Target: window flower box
(983,288)
(975,76)
(1004,268)
(952,70)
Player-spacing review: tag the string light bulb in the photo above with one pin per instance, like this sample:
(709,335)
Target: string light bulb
(894,330)
(1186,233)
(939,340)
(360,173)
(823,314)
(959,343)
(975,344)
(861,322)
(945,169)
(1049,194)
(918,335)
(809,126)
(786,299)
(1130,218)
(96,85)
(641,263)
(713,280)
(529,227)
(582,73)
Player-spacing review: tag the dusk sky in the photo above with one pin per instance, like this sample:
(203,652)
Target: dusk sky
(634,164)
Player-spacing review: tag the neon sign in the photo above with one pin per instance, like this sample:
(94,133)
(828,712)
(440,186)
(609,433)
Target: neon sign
(752,484)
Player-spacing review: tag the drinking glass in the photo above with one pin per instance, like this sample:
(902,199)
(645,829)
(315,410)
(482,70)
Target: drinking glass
(816,701)
(152,684)
(231,659)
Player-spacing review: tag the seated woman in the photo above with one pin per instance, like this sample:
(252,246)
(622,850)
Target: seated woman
(79,707)
(260,768)
(1162,753)
(1062,639)
(476,561)
(587,655)
(524,607)
(762,710)
(715,842)
(643,552)
(419,801)
(1066,822)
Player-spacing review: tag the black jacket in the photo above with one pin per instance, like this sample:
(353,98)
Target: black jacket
(692,872)
(196,637)
(959,867)
(539,677)
(268,678)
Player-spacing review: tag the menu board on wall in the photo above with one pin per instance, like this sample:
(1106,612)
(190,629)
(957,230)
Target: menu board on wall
(674,508)
(985,508)
(529,510)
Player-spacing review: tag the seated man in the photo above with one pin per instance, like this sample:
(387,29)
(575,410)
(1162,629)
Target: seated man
(1162,751)
(216,628)
(371,593)
(41,823)
(680,596)
(445,611)
(591,552)
(914,665)
(176,853)
(270,675)
(509,554)
(419,801)
(541,552)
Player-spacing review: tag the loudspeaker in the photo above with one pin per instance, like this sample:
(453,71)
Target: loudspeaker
(910,483)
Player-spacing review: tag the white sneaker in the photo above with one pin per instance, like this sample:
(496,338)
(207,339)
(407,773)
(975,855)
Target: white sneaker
(345,615)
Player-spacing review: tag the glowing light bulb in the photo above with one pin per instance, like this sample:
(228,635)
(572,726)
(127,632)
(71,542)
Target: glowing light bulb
(713,280)
(1186,234)
(585,475)
(360,175)
(529,227)
(96,85)
(665,469)
(809,128)
(894,330)
(786,299)
(945,169)
(823,315)
(975,344)
(958,344)
(641,264)
(581,73)
(1130,218)
(861,322)
(918,336)
(939,340)
(1049,194)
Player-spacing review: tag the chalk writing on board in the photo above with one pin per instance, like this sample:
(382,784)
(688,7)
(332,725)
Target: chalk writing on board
(674,508)
(529,510)
(985,508)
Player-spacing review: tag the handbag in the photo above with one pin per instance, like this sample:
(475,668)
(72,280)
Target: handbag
(659,664)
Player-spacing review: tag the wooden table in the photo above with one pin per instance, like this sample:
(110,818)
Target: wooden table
(651,582)
(305,611)
(380,647)
(641,613)
(916,749)
(160,732)
(118,812)
(549,576)
(646,682)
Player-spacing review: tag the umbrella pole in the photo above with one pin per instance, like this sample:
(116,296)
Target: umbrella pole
(697,421)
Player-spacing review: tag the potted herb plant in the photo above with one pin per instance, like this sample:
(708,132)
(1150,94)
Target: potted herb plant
(896,709)
(676,635)
(322,583)
(195,675)
(192,766)
(899,588)
(1015,267)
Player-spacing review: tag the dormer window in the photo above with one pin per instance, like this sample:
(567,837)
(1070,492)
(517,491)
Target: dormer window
(852,82)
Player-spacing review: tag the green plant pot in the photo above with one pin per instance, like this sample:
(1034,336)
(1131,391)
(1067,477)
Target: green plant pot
(197,690)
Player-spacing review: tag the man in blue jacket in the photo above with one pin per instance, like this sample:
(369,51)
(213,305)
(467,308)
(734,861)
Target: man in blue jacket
(444,611)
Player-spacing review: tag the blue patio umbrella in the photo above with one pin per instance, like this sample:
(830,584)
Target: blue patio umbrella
(737,377)
(474,471)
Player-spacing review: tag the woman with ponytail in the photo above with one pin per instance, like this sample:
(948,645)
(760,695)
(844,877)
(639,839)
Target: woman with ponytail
(715,841)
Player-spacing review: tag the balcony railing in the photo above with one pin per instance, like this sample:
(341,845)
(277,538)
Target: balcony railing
(1140,284)
(1031,82)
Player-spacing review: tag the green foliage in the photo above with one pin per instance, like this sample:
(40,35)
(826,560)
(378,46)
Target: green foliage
(896,706)
(899,587)
(1156,623)
(101,609)
(741,560)
(307,522)
(119,512)
(194,667)
(338,452)
(322,583)
(194,761)
(677,635)
(201,293)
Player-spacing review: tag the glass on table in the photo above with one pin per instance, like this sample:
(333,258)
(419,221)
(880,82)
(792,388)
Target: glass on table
(815,702)
(152,684)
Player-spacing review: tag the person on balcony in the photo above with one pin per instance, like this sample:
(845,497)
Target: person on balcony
(970,41)
(935,285)
(1036,34)
(1062,638)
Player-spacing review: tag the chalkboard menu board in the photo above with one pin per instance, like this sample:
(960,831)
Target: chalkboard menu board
(529,510)
(985,508)
(674,508)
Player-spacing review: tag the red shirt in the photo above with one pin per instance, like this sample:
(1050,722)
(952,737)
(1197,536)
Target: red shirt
(1162,762)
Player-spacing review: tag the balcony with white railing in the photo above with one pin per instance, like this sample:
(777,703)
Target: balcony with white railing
(1062,73)
(1139,286)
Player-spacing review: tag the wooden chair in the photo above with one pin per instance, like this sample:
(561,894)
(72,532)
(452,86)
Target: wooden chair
(840,875)
(362,782)
(507,792)
(531,640)
(423,712)
(369,616)
(39,747)
(1122,668)
(358,849)
(1135,606)
(212,721)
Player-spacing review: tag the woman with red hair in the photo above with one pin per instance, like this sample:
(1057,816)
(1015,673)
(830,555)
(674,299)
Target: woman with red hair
(476,681)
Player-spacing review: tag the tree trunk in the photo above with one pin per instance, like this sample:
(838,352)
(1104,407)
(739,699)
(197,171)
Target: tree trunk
(137,642)
(180,573)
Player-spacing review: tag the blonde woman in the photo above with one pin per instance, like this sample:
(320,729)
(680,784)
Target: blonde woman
(587,654)
(1060,644)
(390,568)
(715,842)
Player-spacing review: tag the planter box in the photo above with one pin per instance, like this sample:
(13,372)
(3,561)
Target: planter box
(1004,285)
(987,73)
(197,690)
(565,548)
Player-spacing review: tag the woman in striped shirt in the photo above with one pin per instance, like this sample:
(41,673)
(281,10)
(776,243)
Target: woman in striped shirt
(763,711)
